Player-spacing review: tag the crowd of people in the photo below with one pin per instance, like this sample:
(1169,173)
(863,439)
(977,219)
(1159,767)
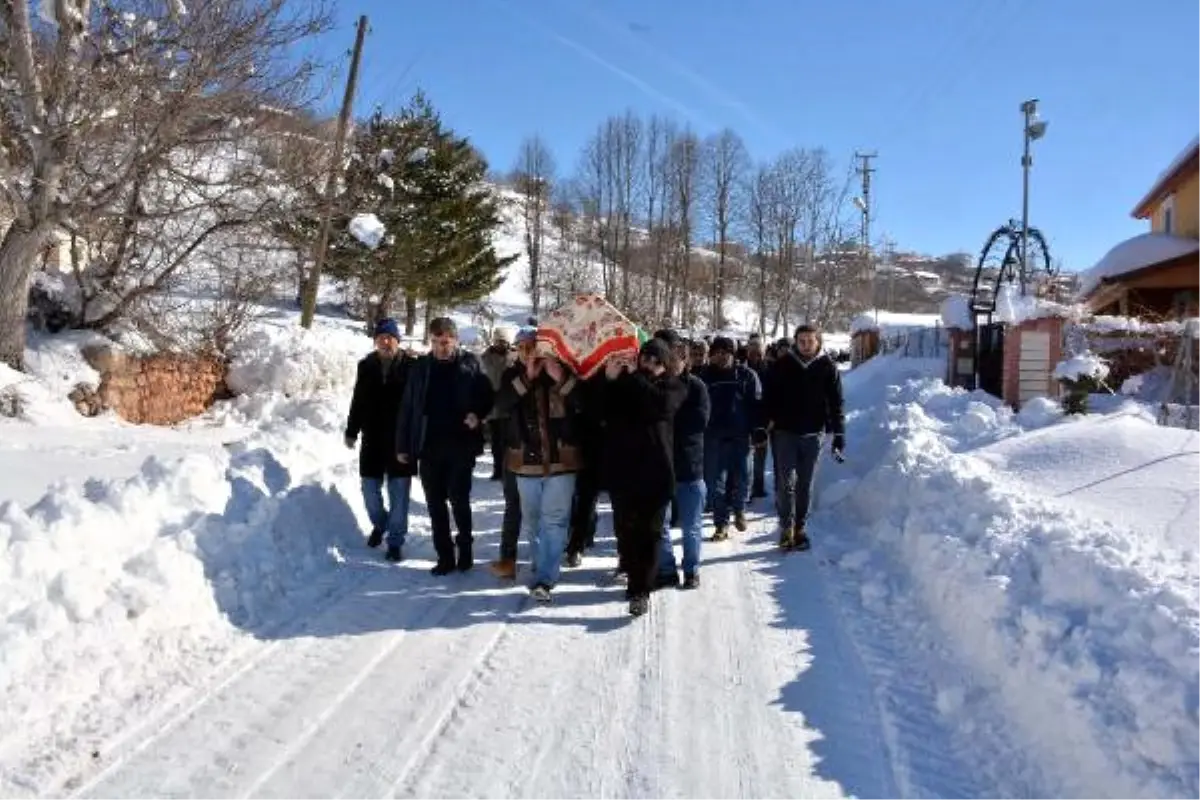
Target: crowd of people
(680,430)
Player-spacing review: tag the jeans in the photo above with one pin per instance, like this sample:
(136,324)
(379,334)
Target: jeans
(726,473)
(795,468)
(689,498)
(394,518)
(510,527)
(638,523)
(545,517)
(446,478)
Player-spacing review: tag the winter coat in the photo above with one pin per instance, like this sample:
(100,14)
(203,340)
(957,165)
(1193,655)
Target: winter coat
(639,436)
(690,422)
(471,394)
(374,411)
(541,419)
(495,360)
(805,397)
(735,398)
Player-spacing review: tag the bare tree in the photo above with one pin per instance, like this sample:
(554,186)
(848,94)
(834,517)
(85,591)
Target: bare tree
(684,160)
(760,197)
(533,179)
(725,163)
(97,101)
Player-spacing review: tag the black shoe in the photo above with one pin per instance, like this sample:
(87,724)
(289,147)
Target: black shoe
(691,581)
(802,540)
(394,554)
(574,559)
(376,537)
(442,568)
(465,562)
(667,580)
(639,605)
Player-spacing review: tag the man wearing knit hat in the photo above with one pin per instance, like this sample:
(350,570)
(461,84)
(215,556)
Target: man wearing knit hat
(735,399)
(639,407)
(374,409)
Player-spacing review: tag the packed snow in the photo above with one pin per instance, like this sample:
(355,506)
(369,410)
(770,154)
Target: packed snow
(995,604)
(956,312)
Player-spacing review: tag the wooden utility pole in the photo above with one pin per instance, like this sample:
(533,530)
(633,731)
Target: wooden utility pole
(308,306)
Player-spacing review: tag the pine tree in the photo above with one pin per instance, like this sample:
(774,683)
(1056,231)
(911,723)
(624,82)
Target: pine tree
(425,184)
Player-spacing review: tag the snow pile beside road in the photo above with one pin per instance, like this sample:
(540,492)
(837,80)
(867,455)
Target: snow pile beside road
(1062,562)
(116,592)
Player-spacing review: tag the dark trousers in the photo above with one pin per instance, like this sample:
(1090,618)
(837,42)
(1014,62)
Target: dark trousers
(510,527)
(583,510)
(446,478)
(758,486)
(639,528)
(496,435)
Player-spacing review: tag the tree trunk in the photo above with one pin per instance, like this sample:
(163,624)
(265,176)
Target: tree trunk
(18,256)
(410,313)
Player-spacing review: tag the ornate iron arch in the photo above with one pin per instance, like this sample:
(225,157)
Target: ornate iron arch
(1000,261)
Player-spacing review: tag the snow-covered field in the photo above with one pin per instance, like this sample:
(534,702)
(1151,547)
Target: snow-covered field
(995,605)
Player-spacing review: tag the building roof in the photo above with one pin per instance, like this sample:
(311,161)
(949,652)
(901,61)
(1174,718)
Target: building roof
(1133,255)
(1188,160)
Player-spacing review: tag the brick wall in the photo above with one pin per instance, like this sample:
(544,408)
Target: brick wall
(160,389)
(1051,326)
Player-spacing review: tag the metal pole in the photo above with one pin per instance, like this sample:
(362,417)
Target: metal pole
(1028,108)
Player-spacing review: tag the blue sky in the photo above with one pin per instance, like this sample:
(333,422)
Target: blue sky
(933,86)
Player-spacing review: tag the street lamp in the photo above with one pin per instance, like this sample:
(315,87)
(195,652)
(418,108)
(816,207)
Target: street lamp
(1035,129)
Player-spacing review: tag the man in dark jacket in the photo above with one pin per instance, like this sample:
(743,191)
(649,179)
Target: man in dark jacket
(495,360)
(803,402)
(538,397)
(639,406)
(735,397)
(756,361)
(589,426)
(690,421)
(441,430)
(374,408)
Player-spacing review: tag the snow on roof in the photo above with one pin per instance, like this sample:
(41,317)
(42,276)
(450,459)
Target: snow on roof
(1166,175)
(1013,308)
(887,322)
(1133,254)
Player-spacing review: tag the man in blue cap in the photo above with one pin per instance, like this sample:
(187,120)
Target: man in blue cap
(374,409)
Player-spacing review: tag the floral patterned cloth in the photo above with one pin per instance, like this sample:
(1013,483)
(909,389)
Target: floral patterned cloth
(585,332)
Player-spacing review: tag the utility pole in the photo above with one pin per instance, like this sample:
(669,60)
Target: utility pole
(1034,129)
(863,202)
(308,306)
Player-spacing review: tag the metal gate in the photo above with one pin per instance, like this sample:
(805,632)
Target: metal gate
(989,358)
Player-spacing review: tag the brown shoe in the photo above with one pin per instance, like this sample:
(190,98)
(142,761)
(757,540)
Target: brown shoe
(504,568)
(739,521)
(787,537)
(720,534)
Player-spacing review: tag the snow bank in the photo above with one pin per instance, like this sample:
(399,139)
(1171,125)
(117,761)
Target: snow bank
(1062,563)
(1013,308)
(293,361)
(1133,254)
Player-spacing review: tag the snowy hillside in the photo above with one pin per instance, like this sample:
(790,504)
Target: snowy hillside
(995,605)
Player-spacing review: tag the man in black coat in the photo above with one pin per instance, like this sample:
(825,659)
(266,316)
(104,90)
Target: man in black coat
(639,407)
(691,420)
(590,427)
(441,430)
(374,410)
(803,401)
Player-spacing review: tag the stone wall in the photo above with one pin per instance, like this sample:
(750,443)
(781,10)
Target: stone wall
(160,389)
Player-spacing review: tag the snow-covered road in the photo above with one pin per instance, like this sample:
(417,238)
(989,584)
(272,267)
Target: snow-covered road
(399,684)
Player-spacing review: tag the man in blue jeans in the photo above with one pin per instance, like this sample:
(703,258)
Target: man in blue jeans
(539,398)
(690,421)
(803,402)
(735,397)
(374,409)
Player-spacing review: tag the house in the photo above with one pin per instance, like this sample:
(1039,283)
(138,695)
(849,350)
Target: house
(1155,274)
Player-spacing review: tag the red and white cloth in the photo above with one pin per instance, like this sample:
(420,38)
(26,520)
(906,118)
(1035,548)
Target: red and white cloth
(585,332)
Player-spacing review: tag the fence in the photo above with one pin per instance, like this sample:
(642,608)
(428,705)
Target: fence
(917,343)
